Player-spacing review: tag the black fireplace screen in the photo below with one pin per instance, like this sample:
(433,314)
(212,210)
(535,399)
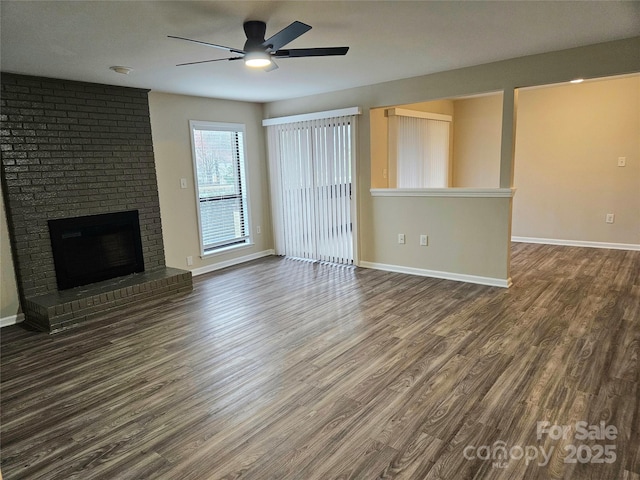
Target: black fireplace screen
(96,247)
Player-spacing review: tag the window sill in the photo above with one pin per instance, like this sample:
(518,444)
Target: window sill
(221,251)
(444,192)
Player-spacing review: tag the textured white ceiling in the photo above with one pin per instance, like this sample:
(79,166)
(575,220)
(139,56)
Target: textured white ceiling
(80,40)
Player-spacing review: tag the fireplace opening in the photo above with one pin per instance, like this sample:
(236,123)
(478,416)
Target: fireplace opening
(95,248)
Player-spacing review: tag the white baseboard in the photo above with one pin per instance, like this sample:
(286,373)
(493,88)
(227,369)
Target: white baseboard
(229,263)
(458,277)
(11,320)
(576,243)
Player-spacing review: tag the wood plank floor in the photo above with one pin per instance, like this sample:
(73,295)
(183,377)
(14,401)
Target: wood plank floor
(280,369)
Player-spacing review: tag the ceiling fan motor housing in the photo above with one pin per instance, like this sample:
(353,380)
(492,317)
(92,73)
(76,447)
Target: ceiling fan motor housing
(255,31)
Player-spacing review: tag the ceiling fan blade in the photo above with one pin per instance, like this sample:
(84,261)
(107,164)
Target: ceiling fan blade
(311,52)
(222,47)
(271,67)
(286,35)
(208,61)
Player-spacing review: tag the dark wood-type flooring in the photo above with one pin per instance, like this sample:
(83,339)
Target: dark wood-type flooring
(279,369)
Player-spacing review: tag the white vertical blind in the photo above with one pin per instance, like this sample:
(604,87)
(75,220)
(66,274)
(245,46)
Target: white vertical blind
(311,164)
(421,151)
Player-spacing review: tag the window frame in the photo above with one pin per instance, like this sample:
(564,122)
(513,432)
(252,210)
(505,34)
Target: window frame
(247,241)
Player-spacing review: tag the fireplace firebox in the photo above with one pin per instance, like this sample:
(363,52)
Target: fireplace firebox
(96,247)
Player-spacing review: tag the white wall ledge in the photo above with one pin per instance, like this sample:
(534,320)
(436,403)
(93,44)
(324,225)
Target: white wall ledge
(444,192)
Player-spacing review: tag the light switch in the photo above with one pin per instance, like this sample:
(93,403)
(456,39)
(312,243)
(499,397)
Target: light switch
(183,183)
(622,161)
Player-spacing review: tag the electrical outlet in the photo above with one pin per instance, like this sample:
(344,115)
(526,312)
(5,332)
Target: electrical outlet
(401,238)
(258,230)
(622,161)
(424,240)
(610,218)
(384,173)
(189,260)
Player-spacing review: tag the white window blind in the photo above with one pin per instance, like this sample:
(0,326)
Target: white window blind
(218,155)
(311,167)
(419,149)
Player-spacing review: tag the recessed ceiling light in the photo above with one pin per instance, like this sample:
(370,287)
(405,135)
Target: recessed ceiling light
(577,80)
(122,70)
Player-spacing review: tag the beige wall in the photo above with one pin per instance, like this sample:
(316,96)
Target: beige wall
(170,115)
(449,248)
(379,220)
(477,129)
(443,107)
(568,141)
(379,139)
(9,302)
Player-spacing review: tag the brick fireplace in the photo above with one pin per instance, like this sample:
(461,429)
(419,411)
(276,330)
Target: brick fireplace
(74,149)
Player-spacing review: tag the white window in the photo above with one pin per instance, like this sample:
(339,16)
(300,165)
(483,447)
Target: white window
(219,167)
(418,149)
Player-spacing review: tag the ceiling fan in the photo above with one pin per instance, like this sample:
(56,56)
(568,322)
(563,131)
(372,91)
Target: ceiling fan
(260,53)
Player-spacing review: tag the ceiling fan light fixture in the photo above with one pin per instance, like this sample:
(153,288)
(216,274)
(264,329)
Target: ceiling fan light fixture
(257,59)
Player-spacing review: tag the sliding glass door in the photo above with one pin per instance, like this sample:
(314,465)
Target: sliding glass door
(312,165)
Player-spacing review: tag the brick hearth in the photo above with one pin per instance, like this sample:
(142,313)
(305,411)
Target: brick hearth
(71,149)
(64,309)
